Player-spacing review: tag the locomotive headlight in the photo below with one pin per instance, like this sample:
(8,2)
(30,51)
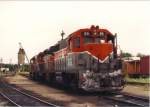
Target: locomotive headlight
(86,33)
(94,33)
(101,34)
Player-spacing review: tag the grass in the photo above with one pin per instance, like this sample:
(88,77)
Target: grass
(138,80)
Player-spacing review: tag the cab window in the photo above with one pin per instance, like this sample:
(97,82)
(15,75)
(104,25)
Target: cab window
(77,42)
(88,39)
(97,40)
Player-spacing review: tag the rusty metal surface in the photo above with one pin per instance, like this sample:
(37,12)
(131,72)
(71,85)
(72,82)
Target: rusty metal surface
(145,65)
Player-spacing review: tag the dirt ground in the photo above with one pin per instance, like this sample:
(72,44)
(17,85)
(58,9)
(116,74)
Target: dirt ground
(141,90)
(62,97)
(56,95)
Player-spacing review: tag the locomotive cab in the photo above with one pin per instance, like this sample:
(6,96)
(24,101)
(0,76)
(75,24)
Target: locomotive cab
(98,42)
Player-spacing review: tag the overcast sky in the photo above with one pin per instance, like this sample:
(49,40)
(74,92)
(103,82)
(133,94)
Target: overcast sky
(38,24)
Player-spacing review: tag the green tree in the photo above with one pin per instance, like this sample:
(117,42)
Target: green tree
(126,54)
(140,55)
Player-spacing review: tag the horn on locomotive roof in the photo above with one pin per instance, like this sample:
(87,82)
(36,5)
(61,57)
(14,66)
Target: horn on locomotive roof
(97,27)
(62,34)
(94,27)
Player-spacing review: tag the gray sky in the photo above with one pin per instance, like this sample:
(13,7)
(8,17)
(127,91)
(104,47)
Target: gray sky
(38,24)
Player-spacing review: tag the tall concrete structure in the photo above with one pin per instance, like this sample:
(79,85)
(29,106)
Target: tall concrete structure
(21,56)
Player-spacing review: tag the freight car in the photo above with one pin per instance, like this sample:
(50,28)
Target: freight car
(145,66)
(87,59)
(131,66)
(137,66)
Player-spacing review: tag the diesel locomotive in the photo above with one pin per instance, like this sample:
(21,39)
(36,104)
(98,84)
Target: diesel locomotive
(87,59)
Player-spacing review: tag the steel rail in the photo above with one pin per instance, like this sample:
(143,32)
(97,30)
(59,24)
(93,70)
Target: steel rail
(7,98)
(45,102)
(28,95)
(124,101)
(128,99)
(146,99)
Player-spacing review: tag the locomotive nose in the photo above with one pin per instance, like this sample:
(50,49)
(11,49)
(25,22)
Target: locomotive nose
(100,51)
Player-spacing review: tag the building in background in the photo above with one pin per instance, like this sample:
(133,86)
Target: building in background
(21,56)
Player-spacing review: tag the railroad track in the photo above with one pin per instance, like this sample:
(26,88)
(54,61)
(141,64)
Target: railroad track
(19,98)
(125,99)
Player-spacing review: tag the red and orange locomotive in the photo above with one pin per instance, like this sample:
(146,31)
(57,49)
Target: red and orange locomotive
(87,59)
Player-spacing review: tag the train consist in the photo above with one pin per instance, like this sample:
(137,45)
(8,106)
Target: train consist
(87,59)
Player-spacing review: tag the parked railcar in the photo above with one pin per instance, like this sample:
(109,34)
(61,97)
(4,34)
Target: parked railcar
(131,67)
(87,59)
(137,66)
(145,65)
